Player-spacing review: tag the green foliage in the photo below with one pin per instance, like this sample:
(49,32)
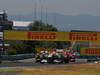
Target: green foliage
(20,46)
(7,69)
(17,45)
(40,26)
(11,52)
(63,44)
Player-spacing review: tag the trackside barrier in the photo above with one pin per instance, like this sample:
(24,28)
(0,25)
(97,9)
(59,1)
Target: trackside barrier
(17,57)
(81,60)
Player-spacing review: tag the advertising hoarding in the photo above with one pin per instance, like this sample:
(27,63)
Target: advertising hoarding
(51,36)
(35,35)
(90,51)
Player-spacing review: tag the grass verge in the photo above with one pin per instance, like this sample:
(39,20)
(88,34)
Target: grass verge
(82,69)
(9,70)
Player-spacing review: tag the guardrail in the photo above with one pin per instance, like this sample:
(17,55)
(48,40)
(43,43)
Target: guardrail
(88,56)
(17,57)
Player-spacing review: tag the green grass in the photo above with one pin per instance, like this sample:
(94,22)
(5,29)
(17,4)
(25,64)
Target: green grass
(9,70)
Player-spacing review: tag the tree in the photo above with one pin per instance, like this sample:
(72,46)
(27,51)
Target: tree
(40,26)
(11,52)
(63,44)
(17,45)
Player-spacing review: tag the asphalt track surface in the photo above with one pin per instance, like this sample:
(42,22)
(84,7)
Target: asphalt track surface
(23,64)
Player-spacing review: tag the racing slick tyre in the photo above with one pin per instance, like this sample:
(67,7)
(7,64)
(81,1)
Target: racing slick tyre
(50,60)
(42,62)
(66,61)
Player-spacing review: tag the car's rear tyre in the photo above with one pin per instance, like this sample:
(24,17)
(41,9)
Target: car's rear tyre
(41,62)
(66,61)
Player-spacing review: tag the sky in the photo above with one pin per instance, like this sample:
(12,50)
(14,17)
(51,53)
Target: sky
(66,7)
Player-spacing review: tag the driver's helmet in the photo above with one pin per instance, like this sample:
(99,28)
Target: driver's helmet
(46,51)
(42,52)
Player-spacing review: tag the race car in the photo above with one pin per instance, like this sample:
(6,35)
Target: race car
(52,58)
